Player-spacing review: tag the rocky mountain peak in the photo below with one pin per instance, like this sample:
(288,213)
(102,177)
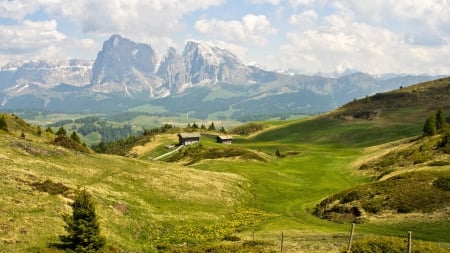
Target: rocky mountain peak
(172,71)
(120,56)
(207,62)
(211,54)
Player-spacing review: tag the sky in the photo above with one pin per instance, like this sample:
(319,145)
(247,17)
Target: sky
(305,36)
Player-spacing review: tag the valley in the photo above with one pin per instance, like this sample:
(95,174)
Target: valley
(242,197)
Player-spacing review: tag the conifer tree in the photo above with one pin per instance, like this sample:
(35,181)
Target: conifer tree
(429,129)
(61,132)
(440,121)
(212,127)
(3,124)
(74,136)
(49,130)
(82,227)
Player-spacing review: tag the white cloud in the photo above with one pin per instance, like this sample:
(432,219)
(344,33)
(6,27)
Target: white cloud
(296,3)
(17,9)
(29,36)
(274,2)
(347,39)
(157,17)
(305,19)
(252,28)
(33,40)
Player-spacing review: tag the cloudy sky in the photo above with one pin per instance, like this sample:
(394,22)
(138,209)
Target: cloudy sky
(322,36)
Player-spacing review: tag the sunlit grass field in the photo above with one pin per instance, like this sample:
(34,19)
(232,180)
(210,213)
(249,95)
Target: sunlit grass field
(145,204)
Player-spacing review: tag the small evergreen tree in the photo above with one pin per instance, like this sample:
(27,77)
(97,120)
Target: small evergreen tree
(429,129)
(39,131)
(222,130)
(441,123)
(74,136)
(82,227)
(61,132)
(195,125)
(212,127)
(202,126)
(277,153)
(49,130)
(3,124)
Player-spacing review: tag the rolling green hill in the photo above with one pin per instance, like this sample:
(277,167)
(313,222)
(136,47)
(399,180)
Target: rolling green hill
(369,154)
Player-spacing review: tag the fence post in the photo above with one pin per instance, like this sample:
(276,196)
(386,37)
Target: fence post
(409,241)
(349,250)
(282,240)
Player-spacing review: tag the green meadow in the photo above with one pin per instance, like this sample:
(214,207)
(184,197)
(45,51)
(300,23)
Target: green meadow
(250,196)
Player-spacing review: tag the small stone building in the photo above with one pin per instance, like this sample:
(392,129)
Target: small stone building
(225,139)
(188,138)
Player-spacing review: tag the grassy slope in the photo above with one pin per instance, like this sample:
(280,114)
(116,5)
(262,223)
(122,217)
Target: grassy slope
(141,201)
(328,146)
(138,202)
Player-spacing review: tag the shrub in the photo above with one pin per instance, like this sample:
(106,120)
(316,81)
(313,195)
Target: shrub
(439,163)
(247,129)
(444,144)
(231,238)
(3,124)
(373,205)
(351,196)
(66,142)
(443,183)
(50,187)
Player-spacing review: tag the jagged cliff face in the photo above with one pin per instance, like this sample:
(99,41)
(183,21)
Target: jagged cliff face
(47,74)
(200,64)
(172,71)
(124,66)
(205,62)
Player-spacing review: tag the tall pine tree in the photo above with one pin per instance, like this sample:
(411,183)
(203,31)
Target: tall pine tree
(74,136)
(82,227)
(429,129)
(441,122)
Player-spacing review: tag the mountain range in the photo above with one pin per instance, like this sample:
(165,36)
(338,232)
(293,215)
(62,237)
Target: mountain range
(204,79)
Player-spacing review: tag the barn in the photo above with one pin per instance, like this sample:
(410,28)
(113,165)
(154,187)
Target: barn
(225,139)
(188,138)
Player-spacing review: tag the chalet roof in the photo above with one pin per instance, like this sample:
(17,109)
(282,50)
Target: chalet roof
(225,137)
(189,135)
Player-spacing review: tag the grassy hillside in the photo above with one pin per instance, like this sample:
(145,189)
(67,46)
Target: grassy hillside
(242,197)
(141,204)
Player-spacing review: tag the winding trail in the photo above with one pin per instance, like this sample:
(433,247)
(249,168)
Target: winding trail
(168,153)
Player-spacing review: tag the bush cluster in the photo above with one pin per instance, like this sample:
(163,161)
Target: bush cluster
(50,187)
(247,129)
(442,182)
(3,124)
